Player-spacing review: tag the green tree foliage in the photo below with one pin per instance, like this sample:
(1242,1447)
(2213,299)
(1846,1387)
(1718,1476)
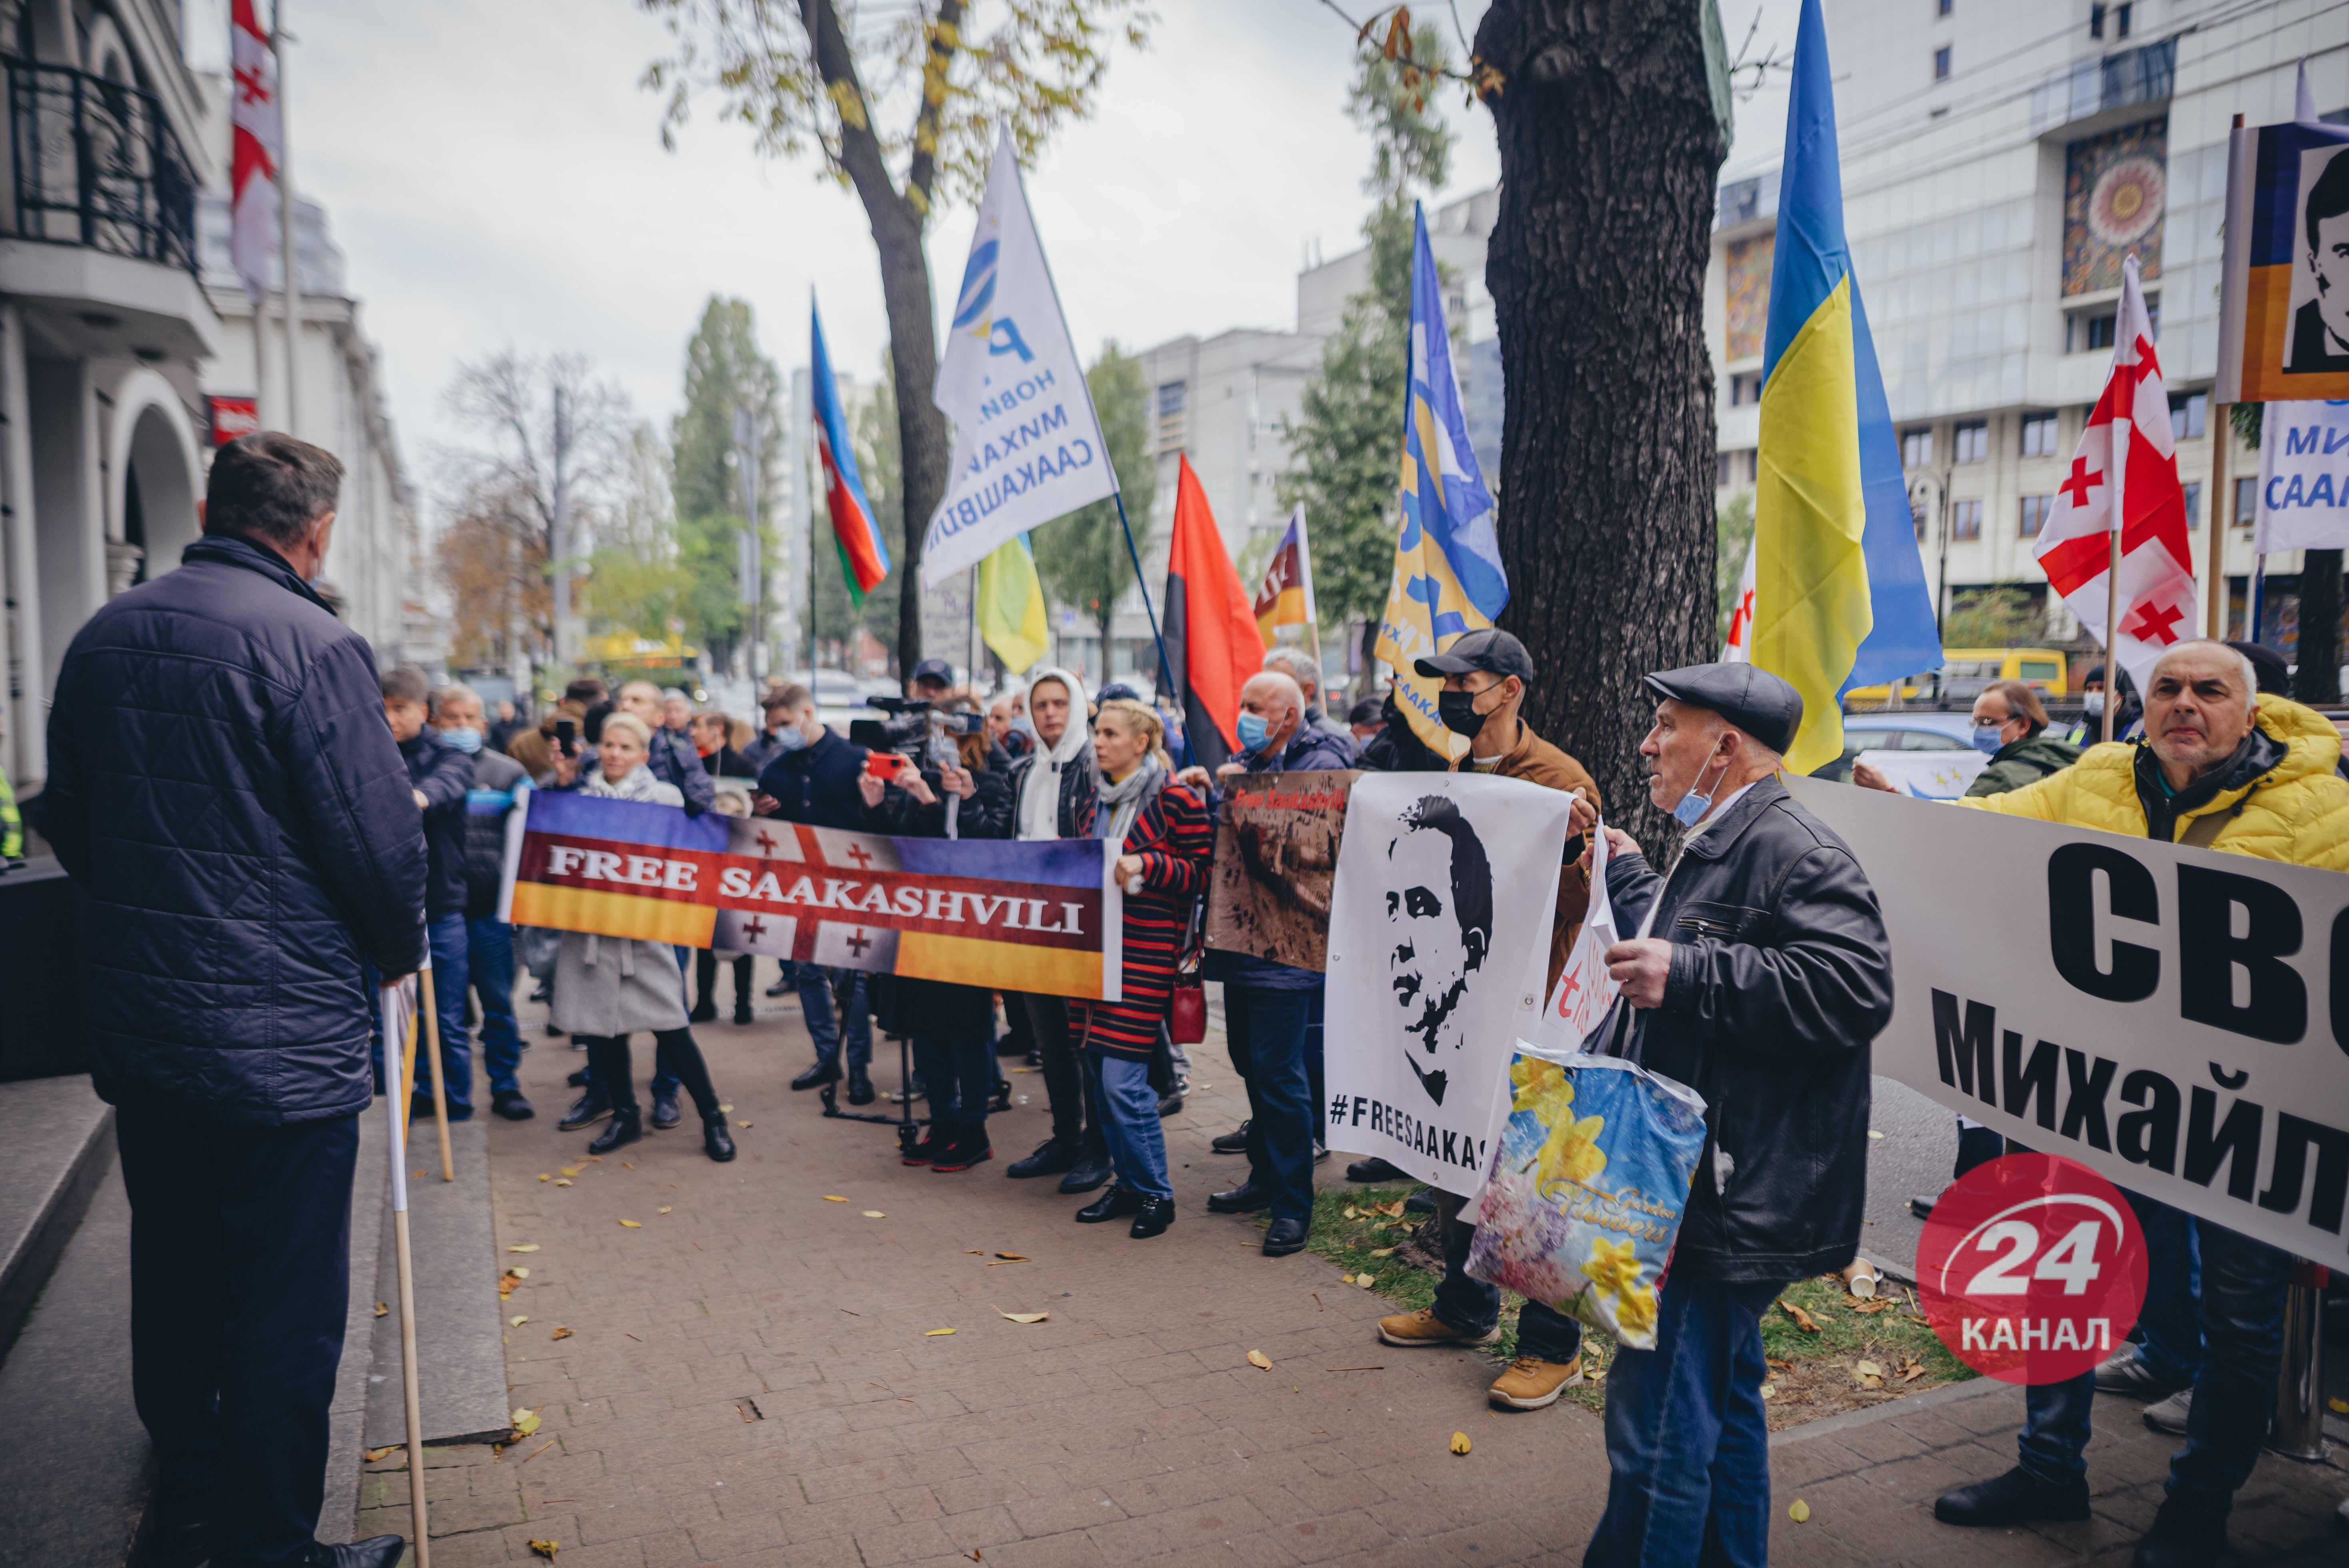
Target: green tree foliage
(1993,618)
(1081,558)
(724,371)
(1346,446)
(1732,524)
(635,582)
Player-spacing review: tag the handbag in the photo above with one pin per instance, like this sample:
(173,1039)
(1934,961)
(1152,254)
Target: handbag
(1187,1004)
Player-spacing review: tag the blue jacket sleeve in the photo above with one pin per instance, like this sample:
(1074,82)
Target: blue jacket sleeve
(448,775)
(351,807)
(688,774)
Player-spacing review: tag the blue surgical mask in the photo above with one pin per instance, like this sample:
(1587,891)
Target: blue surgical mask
(1019,725)
(1254,732)
(1986,738)
(466,739)
(791,738)
(1694,805)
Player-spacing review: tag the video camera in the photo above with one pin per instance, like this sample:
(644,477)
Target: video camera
(914,729)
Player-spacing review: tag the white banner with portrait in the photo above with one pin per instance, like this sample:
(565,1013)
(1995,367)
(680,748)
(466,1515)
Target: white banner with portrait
(1439,946)
(2175,1019)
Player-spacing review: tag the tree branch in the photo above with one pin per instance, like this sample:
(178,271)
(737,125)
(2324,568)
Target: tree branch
(944,37)
(861,154)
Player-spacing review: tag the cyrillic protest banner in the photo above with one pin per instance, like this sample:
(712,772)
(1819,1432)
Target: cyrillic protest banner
(1276,858)
(2303,501)
(1436,962)
(993,913)
(2175,1019)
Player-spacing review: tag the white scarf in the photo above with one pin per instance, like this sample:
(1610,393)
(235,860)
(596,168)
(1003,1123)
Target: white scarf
(1039,813)
(1126,800)
(638,785)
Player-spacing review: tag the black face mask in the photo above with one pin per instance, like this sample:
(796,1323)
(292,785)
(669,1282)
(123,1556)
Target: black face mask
(1458,711)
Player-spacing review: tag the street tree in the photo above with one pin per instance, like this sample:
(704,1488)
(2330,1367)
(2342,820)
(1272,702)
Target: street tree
(550,437)
(492,558)
(806,81)
(1081,558)
(637,584)
(1344,446)
(724,371)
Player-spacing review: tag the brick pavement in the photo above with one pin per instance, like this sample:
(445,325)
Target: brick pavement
(750,1379)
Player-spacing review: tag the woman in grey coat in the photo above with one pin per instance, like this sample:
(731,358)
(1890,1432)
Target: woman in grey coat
(608,987)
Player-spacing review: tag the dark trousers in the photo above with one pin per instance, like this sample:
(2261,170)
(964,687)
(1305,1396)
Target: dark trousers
(1019,1038)
(960,1076)
(1265,1032)
(1076,1109)
(1469,1305)
(675,1055)
(705,980)
(240,1278)
(1687,1450)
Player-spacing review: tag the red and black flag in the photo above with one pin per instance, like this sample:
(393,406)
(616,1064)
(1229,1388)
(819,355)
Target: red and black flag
(1212,643)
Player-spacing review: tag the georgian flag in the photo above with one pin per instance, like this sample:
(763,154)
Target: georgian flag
(258,132)
(2125,467)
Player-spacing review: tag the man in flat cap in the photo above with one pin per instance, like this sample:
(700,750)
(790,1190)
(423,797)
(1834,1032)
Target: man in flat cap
(1759,977)
(1486,675)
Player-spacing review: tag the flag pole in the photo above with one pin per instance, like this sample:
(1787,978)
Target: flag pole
(278,39)
(1165,674)
(432,1015)
(395,1112)
(2112,620)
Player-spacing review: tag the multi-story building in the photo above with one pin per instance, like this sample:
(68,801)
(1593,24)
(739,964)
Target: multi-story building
(2001,159)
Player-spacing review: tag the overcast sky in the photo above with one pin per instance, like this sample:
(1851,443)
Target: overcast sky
(494,175)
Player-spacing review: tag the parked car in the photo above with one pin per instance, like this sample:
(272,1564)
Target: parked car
(1899,730)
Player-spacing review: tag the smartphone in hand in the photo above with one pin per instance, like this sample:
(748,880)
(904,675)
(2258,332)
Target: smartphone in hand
(567,736)
(886,766)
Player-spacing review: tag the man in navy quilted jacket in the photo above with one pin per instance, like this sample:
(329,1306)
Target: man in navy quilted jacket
(224,789)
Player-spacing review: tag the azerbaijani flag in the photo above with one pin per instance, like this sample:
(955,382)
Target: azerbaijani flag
(863,553)
(1839,595)
(1448,577)
(1041,917)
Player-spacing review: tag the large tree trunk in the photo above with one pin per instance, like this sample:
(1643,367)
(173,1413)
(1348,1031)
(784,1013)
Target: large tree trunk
(921,429)
(2318,678)
(1608,151)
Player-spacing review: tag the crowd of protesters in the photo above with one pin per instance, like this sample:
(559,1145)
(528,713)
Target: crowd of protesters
(269,829)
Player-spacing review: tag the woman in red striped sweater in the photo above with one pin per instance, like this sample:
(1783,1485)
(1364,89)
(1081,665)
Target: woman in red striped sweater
(1167,842)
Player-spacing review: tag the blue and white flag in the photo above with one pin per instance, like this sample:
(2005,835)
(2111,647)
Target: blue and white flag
(1027,445)
(1448,577)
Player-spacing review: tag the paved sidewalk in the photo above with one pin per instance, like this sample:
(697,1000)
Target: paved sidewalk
(749,1378)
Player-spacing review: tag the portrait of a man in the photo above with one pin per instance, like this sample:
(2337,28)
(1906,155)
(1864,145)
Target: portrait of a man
(1439,905)
(2320,327)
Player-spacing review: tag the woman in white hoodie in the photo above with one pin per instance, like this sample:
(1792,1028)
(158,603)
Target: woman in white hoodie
(1056,794)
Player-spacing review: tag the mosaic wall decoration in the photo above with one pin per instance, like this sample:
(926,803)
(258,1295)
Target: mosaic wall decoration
(2116,187)
(1748,282)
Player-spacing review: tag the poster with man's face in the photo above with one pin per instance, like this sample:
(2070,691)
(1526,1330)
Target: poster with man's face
(2320,287)
(1439,941)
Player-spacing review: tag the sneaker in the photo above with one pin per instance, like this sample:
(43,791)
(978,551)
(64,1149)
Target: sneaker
(510,1104)
(2124,1372)
(928,1149)
(2015,1498)
(1170,1105)
(2169,1416)
(1413,1330)
(1232,1143)
(962,1152)
(1374,1169)
(1320,1151)
(2181,1536)
(1532,1384)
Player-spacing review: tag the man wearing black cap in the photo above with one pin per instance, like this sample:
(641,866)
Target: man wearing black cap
(932,678)
(1485,676)
(1770,978)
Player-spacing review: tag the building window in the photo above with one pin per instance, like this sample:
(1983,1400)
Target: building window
(1916,516)
(2246,503)
(2039,434)
(1972,444)
(1943,7)
(2095,21)
(2100,331)
(1965,520)
(2036,509)
(2121,30)
(1941,63)
(2193,508)
(1721,470)
(1917,448)
(1170,416)
(1744,387)
(2188,413)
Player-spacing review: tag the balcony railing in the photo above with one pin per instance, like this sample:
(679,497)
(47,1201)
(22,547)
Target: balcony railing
(95,164)
(2123,80)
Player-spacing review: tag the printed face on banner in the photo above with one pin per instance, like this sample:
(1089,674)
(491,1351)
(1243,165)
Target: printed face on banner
(1439,902)
(2320,290)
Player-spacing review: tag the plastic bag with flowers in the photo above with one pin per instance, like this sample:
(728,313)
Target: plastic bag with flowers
(1589,1177)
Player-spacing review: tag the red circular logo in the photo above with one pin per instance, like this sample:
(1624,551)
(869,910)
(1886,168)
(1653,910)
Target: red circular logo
(2031,1268)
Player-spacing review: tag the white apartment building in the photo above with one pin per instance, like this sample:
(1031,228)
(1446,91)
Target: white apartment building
(1999,159)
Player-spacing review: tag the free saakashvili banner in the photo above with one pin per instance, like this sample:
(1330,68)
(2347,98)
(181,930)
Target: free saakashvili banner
(2175,1019)
(1007,915)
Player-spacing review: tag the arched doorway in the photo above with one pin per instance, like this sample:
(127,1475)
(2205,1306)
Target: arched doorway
(159,493)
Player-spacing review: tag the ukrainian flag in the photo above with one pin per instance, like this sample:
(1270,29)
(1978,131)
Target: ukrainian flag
(1448,577)
(1011,605)
(1839,595)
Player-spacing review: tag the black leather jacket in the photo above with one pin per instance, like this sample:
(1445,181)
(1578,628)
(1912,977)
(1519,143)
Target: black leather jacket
(1780,976)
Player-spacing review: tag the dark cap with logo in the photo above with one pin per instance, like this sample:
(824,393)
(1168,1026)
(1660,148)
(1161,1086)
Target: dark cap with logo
(1490,649)
(936,670)
(1755,701)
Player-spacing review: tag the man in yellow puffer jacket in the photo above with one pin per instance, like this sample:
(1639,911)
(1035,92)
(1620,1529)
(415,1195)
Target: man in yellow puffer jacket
(2223,768)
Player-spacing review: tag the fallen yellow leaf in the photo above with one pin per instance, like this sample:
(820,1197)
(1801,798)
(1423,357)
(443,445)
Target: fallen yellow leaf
(525,1247)
(375,1456)
(1013,1257)
(542,1175)
(2338,1406)
(834,1198)
(573,1170)
(628,1165)
(559,1333)
(1868,1369)
(1769,1389)
(562,1181)
(547,1549)
(1023,1316)
(1871,1131)
(875,1214)
(634,1224)
(742,1124)
(1259,1360)
(382,1311)
(1349,1211)
(665,1208)
(518,1273)
(516,1322)
(1459,1443)
(1365,1281)
(933,1333)
(525,1422)
(1803,1320)
(1799,1511)
(1383,1252)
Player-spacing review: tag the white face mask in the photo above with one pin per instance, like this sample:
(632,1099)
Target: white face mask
(2095,703)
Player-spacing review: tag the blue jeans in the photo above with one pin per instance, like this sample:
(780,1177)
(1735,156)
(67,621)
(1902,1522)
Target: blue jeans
(2242,1321)
(1137,1146)
(489,954)
(817,986)
(1687,1450)
(446,934)
(960,1076)
(1469,1305)
(1265,1031)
